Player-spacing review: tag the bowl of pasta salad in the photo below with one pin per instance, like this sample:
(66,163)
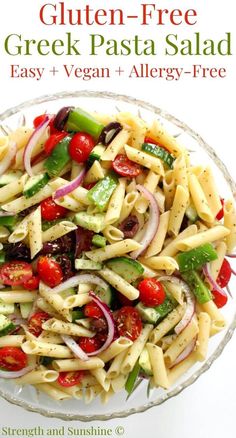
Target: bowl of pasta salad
(117,240)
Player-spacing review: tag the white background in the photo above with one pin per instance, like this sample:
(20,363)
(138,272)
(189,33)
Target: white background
(208,407)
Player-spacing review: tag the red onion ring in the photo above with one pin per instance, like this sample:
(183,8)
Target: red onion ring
(75,281)
(72,185)
(187,351)
(15,374)
(74,347)
(35,137)
(6,162)
(190,299)
(213,283)
(153,222)
(110,323)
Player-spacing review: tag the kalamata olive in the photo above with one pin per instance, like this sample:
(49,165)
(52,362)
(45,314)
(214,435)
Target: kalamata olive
(98,325)
(66,266)
(109,133)
(61,245)
(83,240)
(61,117)
(25,212)
(17,251)
(129,226)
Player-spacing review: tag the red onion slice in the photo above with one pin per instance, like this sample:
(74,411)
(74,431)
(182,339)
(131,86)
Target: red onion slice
(10,155)
(153,222)
(190,302)
(15,374)
(75,281)
(72,185)
(187,351)
(213,283)
(74,347)
(35,137)
(110,323)
(232,256)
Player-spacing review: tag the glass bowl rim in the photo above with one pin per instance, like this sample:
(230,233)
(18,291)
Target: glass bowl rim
(210,151)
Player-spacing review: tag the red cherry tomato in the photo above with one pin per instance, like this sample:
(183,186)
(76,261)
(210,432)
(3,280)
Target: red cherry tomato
(125,167)
(219,299)
(151,292)
(80,147)
(53,140)
(89,345)
(150,140)
(35,322)
(224,274)
(70,378)
(49,271)
(91,310)
(129,323)
(12,359)
(51,211)
(41,118)
(32,283)
(15,273)
(220,214)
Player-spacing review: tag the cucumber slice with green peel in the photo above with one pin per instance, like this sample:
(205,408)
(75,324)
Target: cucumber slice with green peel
(68,292)
(8,221)
(159,152)
(59,157)
(6,325)
(148,314)
(91,222)
(99,241)
(96,154)
(25,309)
(166,307)
(128,269)
(9,177)
(107,296)
(35,184)
(191,213)
(144,362)
(6,309)
(87,264)
(77,314)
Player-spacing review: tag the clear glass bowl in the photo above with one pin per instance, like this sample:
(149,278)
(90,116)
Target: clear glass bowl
(200,152)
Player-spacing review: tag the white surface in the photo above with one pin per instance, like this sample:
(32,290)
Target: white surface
(208,407)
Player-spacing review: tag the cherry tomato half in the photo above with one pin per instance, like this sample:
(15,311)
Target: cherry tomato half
(70,378)
(12,359)
(220,214)
(89,345)
(151,292)
(128,322)
(35,322)
(80,147)
(49,271)
(32,283)
(224,274)
(91,310)
(53,140)
(219,298)
(125,167)
(41,118)
(51,211)
(15,273)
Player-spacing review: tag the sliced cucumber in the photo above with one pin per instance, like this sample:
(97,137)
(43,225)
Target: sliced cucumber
(6,325)
(127,268)
(91,222)
(9,177)
(87,264)
(159,152)
(77,314)
(96,154)
(106,296)
(34,184)
(99,241)
(148,314)
(6,309)
(25,309)
(191,213)
(166,307)
(144,362)
(68,292)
